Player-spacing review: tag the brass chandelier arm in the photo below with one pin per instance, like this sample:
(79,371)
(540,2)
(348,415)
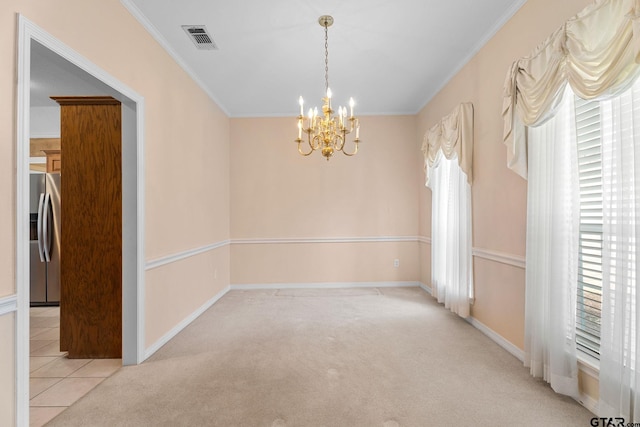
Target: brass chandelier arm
(302,152)
(314,143)
(340,141)
(355,150)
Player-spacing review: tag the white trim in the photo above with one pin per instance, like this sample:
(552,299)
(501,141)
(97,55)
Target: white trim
(153,31)
(323,285)
(8,304)
(497,338)
(508,14)
(426,288)
(502,257)
(183,324)
(330,285)
(28,31)
(22,233)
(365,239)
(361,113)
(588,367)
(497,256)
(141,289)
(585,400)
(159,262)
(424,239)
(589,403)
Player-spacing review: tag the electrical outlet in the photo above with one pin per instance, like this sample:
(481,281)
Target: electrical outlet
(396,263)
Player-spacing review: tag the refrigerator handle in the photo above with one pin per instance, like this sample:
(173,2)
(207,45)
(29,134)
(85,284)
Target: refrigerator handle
(39,226)
(46,228)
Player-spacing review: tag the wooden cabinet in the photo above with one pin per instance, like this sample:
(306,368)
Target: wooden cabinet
(49,147)
(53,160)
(91,227)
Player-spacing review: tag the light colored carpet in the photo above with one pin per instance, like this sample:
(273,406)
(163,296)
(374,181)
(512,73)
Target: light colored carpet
(367,357)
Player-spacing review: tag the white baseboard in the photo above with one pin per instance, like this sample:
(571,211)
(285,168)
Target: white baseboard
(326,285)
(183,324)
(585,400)
(331,285)
(497,338)
(589,402)
(299,240)
(426,288)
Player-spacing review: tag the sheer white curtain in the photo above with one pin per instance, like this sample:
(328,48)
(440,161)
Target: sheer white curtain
(619,365)
(451,263)
(552,250)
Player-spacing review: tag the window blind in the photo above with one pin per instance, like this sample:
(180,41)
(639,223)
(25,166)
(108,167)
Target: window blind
(589,298)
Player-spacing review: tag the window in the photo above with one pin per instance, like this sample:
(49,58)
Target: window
(589,298)
(450,183)
(451,265)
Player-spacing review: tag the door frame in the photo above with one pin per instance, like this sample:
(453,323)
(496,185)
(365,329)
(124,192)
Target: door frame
(133,289)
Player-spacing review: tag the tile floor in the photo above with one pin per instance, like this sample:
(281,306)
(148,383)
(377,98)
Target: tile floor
(56,382)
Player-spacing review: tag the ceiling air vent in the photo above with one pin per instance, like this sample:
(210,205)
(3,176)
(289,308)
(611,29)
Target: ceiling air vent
(200,37)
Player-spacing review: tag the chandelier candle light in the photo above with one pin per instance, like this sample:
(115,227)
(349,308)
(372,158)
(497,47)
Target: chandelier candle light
(327,133)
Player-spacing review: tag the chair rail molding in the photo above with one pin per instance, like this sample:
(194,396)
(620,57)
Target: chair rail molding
(159,262)
(301,240)
(8,304)
(501,257)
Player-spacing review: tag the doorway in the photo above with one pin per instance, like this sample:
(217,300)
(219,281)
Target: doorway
(32,40)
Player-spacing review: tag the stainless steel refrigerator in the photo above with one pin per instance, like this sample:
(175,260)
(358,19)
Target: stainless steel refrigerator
(44,202)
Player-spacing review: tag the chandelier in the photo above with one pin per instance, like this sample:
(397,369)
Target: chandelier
(327,133)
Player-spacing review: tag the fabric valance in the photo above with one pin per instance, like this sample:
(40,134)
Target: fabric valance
(596,52)
(453,134)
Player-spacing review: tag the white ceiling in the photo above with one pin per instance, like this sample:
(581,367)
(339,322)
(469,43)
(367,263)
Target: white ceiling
(392,57)
(52,75)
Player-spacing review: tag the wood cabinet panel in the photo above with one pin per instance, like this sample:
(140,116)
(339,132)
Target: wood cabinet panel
(53,160)
(91,227)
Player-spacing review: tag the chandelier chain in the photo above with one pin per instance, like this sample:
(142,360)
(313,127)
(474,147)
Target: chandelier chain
(326,58)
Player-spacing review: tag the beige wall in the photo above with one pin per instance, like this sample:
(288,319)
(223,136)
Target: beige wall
(186,155)
(195,178)
(7,370)
(199,277)
(499,195)
(276,194)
